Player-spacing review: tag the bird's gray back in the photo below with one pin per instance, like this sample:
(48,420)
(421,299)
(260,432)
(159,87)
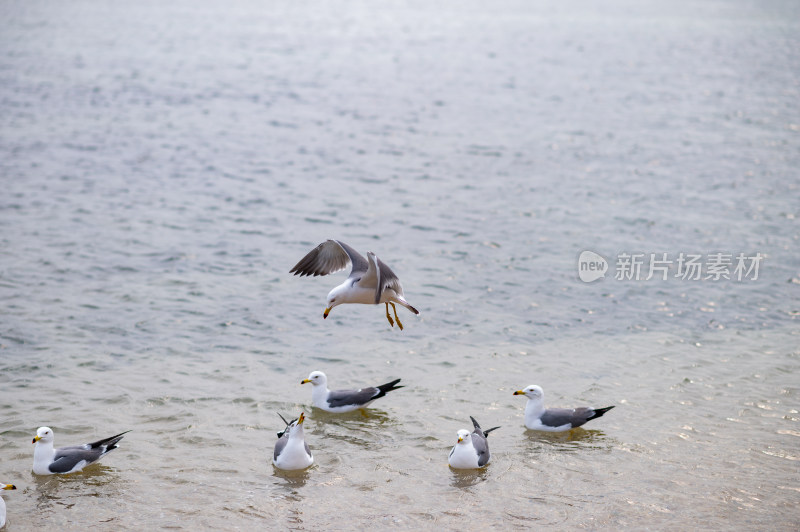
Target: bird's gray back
(351,397)
(67,458)
(556,417)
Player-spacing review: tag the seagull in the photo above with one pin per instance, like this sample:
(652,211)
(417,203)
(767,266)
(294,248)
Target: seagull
(3,504)
(339,401)
(471,451)
(537,417)
(291,450)
(47,461)
(370,282)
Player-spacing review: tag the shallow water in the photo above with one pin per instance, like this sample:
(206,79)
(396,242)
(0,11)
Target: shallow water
(164,166)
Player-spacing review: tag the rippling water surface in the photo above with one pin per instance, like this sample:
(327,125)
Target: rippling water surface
(163,166)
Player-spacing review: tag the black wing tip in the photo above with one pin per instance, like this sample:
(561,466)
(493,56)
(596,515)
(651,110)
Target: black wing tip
(110,442)
(478,427)
(116,437)
(302,272)
(389,386)
(600,411)
(487,431)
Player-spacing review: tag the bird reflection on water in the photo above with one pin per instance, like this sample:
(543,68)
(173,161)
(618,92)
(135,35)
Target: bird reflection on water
(573,440)
(465,478)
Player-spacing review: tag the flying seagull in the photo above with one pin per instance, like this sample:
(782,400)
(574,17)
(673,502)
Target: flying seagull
(371,282)
(291,450)
(48,461)
(537,417)
(3,504)
(471,451)
(339,401)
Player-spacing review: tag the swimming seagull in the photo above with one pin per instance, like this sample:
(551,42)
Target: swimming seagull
(471,451)
(339,401)
(3,504)
(291,450)
(537,417)
(370,282)
(47,461)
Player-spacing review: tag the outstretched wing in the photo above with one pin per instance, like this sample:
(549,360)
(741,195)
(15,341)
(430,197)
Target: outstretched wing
(330,257)
(381,277)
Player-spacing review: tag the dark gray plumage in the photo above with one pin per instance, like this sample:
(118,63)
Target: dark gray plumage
(66,458)
(479,442)
(339,398)
(556,417)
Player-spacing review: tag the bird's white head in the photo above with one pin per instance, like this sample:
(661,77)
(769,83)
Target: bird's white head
(337,296)
(463,437)
(297,425)
(44,434)
(532,392)
(316,378)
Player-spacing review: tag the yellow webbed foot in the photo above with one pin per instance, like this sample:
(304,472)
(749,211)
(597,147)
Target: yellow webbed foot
(391,322)
(396,317)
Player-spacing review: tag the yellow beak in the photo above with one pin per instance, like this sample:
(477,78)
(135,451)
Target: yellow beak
(460,439)
(36,438)
(519,392)
(9,487)
(327,311)
(304,381)
(302,418)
